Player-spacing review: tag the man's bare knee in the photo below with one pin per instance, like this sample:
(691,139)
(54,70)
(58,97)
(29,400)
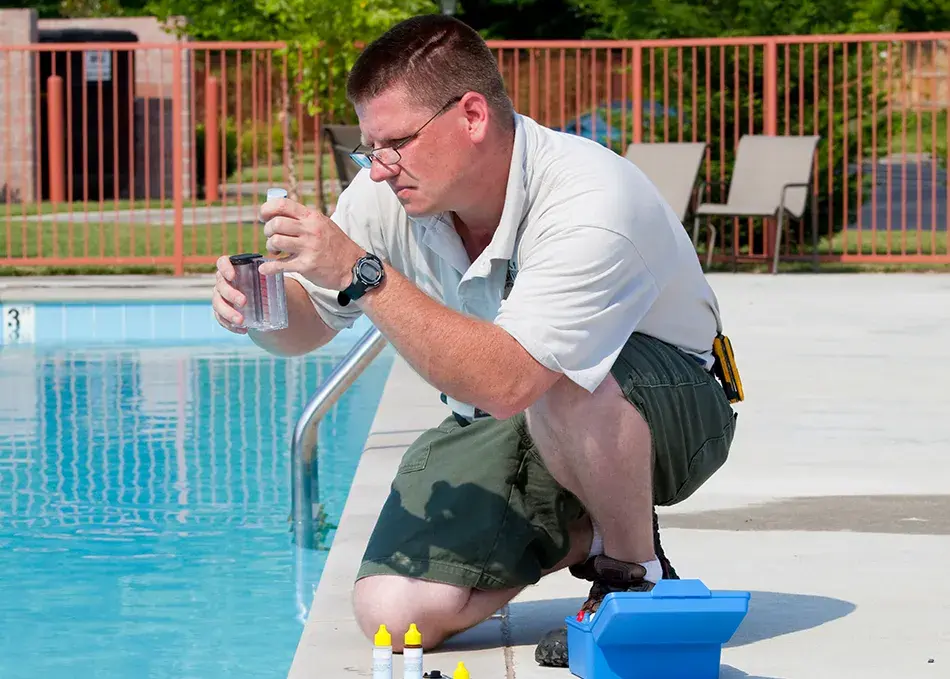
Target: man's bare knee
(397,601)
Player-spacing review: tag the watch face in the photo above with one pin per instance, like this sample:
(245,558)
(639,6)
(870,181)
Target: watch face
(369,271)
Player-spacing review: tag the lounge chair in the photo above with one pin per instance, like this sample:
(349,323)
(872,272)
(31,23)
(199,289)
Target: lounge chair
(343,139)
(672,167)
(771,178)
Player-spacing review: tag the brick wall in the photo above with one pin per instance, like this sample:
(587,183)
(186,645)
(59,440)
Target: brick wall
(154,83)
(17,107)
(151,117)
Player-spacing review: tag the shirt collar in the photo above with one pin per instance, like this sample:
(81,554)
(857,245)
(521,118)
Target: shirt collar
(502,245)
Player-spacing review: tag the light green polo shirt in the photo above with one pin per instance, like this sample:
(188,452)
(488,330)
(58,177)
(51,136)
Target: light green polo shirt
(591,251)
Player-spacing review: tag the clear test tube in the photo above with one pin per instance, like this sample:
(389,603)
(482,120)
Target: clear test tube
(266,307)
(273,300)
(247,282)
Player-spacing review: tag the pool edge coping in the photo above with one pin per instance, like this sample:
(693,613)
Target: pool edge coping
(331,638)
(106,288)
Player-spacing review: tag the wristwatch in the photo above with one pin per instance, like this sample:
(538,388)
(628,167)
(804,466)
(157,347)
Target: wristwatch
(368,273)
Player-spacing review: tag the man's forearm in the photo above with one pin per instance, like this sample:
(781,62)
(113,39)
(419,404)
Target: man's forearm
(305,331)
(469,359)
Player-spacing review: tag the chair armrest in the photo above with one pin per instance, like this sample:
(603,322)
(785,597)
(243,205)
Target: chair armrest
(793,185)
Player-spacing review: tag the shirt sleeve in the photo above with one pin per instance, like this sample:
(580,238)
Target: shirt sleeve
(354,216)
(579,294)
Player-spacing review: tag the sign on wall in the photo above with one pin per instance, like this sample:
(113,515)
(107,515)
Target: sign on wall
(98,66)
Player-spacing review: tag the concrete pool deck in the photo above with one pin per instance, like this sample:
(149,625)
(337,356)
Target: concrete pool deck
(834,510)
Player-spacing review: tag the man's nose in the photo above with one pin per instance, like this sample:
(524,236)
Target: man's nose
(380,173)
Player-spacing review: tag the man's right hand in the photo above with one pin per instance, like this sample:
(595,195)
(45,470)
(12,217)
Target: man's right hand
(226,301)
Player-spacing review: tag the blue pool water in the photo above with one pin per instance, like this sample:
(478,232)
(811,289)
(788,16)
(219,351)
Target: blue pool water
(144,502)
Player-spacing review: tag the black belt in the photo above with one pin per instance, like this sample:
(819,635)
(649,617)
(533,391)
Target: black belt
(461,419)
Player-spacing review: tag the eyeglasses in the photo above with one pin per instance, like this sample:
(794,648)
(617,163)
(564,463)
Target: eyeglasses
(389,155)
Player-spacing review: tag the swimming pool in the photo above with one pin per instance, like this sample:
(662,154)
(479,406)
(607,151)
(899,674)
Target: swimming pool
(144,506)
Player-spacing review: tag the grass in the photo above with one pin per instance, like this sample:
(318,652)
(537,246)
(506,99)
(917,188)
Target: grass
(14,212)
(306,170)
(924,132)
(896,242)
(120,242)
(263,176)
(124,241)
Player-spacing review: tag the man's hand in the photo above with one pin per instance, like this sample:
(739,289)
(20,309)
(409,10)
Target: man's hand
(308,243)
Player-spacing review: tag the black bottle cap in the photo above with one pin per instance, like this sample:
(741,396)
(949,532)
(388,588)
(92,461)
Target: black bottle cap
(245,258)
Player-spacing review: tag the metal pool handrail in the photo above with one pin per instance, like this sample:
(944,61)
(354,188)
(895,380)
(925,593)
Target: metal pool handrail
(303,451)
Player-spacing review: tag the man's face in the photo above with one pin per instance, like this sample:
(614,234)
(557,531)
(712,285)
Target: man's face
(432,164)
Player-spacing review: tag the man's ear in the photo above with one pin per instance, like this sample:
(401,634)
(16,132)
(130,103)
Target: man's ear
(478,115)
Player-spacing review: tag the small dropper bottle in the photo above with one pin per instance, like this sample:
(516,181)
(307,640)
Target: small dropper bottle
(412,653)
(461,672)
(382,654)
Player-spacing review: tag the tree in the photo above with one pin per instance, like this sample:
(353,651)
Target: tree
(526,19)
(323,39)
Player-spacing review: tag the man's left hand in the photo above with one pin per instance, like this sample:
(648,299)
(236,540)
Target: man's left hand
(309,243)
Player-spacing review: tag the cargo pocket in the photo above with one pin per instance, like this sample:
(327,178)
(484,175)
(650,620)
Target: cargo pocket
(710,457)
(414,459)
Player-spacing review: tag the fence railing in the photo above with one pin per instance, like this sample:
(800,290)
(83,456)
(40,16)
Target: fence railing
(158,155)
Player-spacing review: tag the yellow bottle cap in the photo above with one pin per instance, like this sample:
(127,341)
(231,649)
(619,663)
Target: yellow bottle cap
(413,636)
(460,672)
(383,637)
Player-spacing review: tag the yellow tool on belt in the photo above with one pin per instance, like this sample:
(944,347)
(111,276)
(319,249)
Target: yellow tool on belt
(725,369)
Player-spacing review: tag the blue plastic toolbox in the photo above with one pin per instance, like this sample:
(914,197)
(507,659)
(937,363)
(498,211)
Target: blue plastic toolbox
(675,631)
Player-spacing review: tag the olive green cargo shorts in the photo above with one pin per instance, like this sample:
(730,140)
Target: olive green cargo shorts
(475,506)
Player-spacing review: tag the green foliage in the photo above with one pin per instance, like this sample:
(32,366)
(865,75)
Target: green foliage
(227,165)
(525,19)
(625,19)
(323,36)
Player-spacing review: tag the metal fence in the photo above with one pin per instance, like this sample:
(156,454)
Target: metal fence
(158,155)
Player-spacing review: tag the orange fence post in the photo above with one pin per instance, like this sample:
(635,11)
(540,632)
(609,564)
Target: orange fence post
(57,148)
(636,96)
(211,140)
(177,169)
(770,93)
(770,123)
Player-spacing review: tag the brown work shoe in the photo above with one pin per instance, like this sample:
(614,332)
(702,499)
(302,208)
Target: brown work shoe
(608,575)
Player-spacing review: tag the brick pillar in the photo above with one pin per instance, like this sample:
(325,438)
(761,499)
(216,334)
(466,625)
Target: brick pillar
(18,112)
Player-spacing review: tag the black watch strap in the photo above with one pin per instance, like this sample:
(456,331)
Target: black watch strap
(368,273)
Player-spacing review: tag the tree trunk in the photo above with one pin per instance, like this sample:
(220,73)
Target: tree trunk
(290,147)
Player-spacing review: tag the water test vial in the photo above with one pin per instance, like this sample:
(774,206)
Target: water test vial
(266,307)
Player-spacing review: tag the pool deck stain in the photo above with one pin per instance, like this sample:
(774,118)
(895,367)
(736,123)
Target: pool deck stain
(832,510)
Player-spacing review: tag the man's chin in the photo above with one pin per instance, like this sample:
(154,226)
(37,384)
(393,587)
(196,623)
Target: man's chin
(418,208)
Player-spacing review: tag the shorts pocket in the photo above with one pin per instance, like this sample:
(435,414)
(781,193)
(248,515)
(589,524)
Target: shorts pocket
(710,457)
(414,459)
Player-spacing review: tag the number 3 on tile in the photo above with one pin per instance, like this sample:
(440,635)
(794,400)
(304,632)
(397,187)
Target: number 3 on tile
(19,324)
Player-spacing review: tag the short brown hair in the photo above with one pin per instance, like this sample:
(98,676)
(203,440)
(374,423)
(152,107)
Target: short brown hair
(435,57)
